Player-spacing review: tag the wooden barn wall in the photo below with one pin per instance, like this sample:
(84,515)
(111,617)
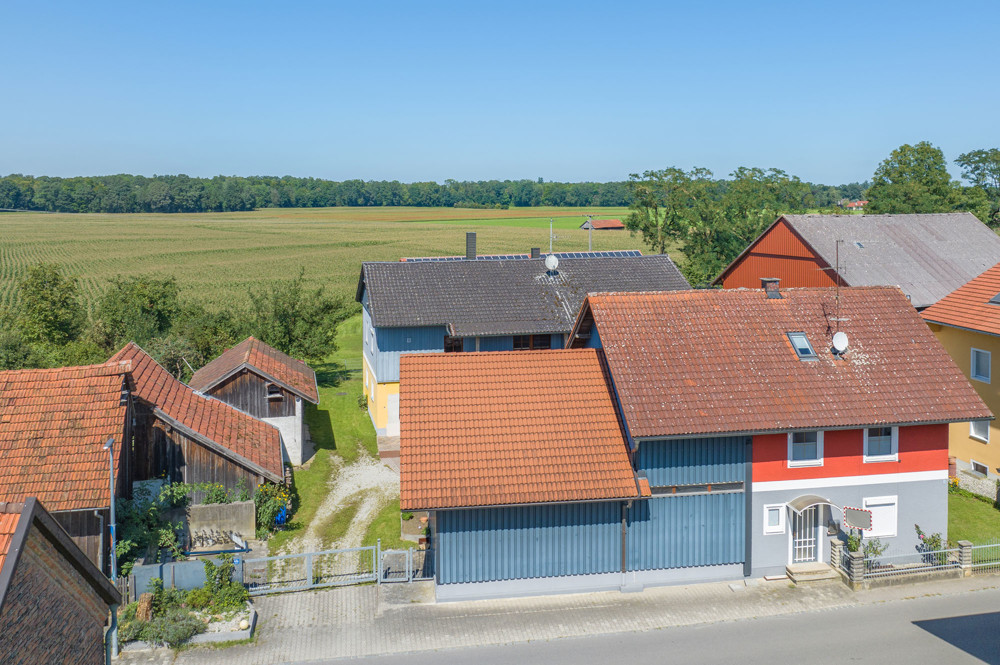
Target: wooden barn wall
(89,532)
(780,254)
(248,392)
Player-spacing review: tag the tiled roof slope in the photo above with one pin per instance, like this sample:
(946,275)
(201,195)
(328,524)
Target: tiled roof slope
(281,368)
(503,297)
(487,429)
(240,433)
(711,361)
(927,256)
(53,425)
(601,224)
(969,305)
(8,524)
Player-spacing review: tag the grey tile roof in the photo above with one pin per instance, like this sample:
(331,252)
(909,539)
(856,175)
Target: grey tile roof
(927,256)
(512,297)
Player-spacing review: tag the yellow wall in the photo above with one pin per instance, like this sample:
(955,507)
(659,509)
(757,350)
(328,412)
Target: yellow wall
(378,396)
(959,344)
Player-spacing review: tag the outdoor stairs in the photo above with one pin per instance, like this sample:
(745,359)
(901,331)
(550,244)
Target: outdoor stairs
(801,573)
(388,447)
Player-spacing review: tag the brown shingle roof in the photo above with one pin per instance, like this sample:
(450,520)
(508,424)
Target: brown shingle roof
(704,362)
(267,361)
(485,429)
(251,439)
(53,425)
(969,305)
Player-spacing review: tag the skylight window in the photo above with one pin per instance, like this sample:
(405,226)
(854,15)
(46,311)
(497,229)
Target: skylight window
(803,349)
(995,300)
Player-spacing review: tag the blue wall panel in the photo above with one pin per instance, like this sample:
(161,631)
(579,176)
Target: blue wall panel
(489,544)
(693,461)
(391,342)
(686,530)
(496,343)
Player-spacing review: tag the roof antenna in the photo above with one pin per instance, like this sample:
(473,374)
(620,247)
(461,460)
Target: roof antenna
(552,236)
(839,338)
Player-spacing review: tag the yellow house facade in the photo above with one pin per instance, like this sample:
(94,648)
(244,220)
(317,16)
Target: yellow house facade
(382,397)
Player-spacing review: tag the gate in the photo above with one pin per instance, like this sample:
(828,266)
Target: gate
(313,570)
(406,565)
(804,536)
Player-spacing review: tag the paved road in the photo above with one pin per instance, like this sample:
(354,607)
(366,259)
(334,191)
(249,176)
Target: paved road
(949,630)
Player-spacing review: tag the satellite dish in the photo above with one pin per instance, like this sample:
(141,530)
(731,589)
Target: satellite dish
(840,342)
(551,262)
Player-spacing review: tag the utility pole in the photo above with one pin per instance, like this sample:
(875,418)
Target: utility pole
(590,234)
(551,236)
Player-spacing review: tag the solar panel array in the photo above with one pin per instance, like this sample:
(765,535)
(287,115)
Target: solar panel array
(618,253)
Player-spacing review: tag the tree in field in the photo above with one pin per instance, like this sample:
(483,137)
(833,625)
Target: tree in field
(666,205)
(49,309)
(135,309)
(913,179)
(301,323)
(981,168)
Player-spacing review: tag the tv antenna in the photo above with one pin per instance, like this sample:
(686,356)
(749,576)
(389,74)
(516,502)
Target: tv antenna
(590,233)
(552,236)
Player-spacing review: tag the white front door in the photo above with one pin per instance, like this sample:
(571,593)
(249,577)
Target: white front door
(805,540)
(392,422)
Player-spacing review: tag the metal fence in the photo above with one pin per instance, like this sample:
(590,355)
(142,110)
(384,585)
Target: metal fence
(312,570)
(986,558)
(896,565)
(406,565)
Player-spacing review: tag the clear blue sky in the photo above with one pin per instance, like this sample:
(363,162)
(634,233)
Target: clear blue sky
(429,91)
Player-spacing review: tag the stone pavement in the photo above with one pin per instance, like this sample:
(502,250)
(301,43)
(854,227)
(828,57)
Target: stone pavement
(358,621)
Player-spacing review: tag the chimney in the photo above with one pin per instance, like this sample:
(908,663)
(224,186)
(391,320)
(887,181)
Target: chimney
(770,286)
(536,252)
(470,246)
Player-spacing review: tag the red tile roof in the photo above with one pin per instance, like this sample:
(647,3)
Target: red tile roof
(969,305)
(719,361)
(248,438)
(53,426)
(8,524)
(607,224)
(487,429)
(265,360)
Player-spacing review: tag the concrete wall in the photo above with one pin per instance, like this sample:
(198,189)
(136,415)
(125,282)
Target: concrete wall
(292,434)
(923,502)
(212,524)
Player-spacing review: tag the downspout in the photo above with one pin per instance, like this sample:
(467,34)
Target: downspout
(748,507)
(625,506)
(100,556)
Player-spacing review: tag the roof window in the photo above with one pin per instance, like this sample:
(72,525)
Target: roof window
(995,300)
(803,349)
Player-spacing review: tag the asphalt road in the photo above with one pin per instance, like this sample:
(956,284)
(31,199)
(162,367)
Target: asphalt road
(943,630)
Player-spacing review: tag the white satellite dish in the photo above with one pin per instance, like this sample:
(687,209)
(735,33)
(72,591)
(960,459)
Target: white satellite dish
(551,262)
(840,342)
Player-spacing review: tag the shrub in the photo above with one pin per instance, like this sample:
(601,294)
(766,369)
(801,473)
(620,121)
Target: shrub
(172,629)
(199,598)
(223,592)
(269,500)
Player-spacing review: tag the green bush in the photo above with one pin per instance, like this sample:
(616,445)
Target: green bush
(268,500)
(199,598)
(172,629)
(223,592)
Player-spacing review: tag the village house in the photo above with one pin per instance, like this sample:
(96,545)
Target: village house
(483,303)
(967,323)
(54,425)
(687,436)
(267,384)
(927,256)
(54,602)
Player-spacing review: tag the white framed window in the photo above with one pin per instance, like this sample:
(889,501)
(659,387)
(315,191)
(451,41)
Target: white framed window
(979,367)
(881,444)
(774,518)
(803,349)
(883,510)
(980,429)
(805,448)
(979,467)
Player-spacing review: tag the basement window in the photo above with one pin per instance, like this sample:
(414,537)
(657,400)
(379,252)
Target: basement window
(979,468)
(803,349)
(274,392)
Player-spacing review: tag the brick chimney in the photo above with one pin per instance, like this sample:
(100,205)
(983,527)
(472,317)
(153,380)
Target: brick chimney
(770,286)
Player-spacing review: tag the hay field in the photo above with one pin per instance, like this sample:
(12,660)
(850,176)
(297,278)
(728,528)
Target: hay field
(218,257)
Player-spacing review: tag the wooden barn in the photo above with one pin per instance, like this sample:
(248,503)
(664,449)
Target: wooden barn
(54,424)
(267,384)
(184,436)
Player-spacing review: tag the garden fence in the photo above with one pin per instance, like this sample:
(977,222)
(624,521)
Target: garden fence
(986,558)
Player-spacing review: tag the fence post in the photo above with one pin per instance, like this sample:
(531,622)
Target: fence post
(409,565)
(836,547)
(857,571)
(965,557)
(377,553)
(310,580)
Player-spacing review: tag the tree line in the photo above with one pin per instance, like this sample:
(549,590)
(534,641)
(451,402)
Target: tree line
(50,326)
(711,221)
(181,193)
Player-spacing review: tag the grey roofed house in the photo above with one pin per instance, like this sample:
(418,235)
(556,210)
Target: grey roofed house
(503,297)
(926,255)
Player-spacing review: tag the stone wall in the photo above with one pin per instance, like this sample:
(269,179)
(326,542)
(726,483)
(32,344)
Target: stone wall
(215,524)
(978,485)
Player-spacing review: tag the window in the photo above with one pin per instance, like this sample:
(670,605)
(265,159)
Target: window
(774,518)
(980,429)
(979,468)
(526,342)
(980,365)
(883,516)
(803,349)
(453,344)
(274,392)
(805,449)
(881,444)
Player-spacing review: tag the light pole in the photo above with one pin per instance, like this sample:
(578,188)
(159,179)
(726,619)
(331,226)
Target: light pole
(113,631)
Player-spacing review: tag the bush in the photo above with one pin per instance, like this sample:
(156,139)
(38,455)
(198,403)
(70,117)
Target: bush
(269,500)
(199,598)
(172,629)
(222,591)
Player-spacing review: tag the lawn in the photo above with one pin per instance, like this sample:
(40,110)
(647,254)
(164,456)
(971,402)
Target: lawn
(973,520)
(218,257)
(386,526)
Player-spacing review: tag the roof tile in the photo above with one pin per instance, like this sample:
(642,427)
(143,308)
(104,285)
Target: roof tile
(293,374)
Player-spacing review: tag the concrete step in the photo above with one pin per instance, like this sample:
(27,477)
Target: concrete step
(388,454)
(811,572)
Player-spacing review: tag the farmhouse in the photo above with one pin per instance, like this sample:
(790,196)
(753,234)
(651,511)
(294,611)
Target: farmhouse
(267,384)
(603,225)
(689,435)
(185,436)
(54,424)
(967,323)
(927,256)
(54,602)
(483,304)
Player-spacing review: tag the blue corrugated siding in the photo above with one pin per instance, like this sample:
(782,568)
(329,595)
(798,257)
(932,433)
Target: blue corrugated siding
(693,461)
(391,342)
(489,544)
(366,327)
(496,343)
(595,338)
(682,531)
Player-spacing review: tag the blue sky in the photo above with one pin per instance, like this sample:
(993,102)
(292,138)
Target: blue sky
(429,91)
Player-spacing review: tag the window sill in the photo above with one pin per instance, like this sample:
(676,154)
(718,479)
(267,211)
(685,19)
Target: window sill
(978,438)
(981,379)
(774,533)
(881,458)
(806,463)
